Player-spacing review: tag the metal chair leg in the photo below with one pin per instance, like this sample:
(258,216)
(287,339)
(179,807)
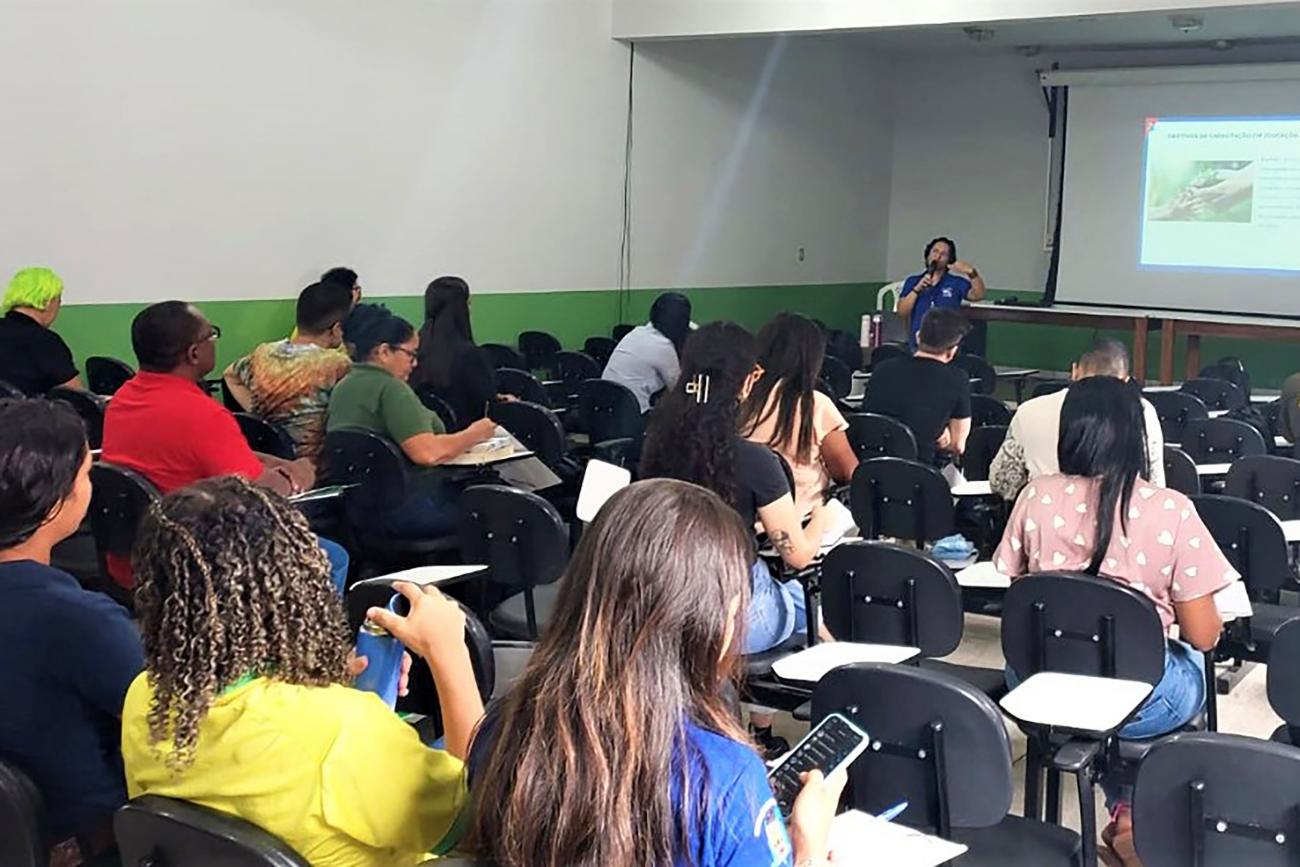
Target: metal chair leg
(1087,818)
(1053,803)
(1033,781)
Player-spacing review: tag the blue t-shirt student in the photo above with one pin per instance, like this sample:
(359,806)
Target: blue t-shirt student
(950,291)
(69,656)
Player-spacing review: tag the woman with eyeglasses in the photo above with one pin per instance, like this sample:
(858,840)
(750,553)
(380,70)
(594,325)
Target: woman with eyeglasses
(376,397)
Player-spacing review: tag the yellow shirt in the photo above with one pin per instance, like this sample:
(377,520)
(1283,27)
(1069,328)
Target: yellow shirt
(331,771)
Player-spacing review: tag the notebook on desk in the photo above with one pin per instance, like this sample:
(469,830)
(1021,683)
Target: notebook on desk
(860,838)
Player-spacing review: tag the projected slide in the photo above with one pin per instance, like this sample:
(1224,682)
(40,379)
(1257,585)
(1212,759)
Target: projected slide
(1222,193)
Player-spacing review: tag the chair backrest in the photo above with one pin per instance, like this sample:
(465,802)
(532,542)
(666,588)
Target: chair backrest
(977,367)
(618,332)
(266,436)
(1216,393)
(504,356)
(539,349)
(600,349)
(886,351)
(228,398)
(437,404)
(1229,368)
(838,375)
(936,742)
(522,385)
(535,426)
(1271,481)
(985,410)
(1272,413)
(981,448)
(609,410)
(901,498)
(624,452)
(518,534)
(1283,675)
(164,832)
(105,375)
(1252,540)
(1221,440)
(1204,799)
(90,407)
(24,839)
(872,435)
(1175,409)
(1081,624)
(576,366)
(375,465)
(9,391)
(119,501)
(887,296)
(1180,471)
(884,593)
(1049,386)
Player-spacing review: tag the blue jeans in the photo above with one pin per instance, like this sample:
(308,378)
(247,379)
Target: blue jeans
(426,515)
(338,557)
(776,611)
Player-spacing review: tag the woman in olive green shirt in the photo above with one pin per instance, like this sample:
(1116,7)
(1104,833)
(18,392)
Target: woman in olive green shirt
(375,397)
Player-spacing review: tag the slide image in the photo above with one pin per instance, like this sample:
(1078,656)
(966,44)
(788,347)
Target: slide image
(1209,191)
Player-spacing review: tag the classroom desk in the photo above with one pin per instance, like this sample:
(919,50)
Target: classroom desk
(1198,325)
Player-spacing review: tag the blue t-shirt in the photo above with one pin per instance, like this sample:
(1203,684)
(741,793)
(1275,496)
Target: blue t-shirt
(69,656)
(742,825)
(951,291)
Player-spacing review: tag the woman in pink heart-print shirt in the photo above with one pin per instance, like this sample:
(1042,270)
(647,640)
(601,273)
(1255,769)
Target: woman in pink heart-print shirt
(1100,516)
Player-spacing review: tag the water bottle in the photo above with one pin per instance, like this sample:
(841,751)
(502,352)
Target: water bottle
(383,655)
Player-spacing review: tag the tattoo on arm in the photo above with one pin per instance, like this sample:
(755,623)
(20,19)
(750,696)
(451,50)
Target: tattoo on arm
(782,542)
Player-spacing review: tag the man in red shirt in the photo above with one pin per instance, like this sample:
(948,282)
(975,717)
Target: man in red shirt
(162,424)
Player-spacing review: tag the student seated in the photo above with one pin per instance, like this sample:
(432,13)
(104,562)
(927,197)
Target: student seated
(924,391)
(1288,420)
(33,357)
(646,359)
(617,745)
(245,704)
(289,381)
(786,412)
(69,655)
(375,397)
(344,278)
(1099,516)
(451,364)
(163,425)
(1029,449)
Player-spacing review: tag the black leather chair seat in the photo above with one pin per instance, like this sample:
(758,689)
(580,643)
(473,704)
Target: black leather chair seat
(990,681)
(1017,842)
(510,618)
(1136,751)
(1266,620)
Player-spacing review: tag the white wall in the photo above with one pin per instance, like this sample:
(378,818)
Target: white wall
(220,149)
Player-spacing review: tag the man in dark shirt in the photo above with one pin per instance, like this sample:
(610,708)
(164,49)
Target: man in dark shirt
(924,391)
(33,358)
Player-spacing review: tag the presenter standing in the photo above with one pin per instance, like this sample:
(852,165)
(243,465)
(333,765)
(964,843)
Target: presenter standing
(946,282)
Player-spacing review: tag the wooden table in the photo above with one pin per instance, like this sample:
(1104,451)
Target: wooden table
(1198,325)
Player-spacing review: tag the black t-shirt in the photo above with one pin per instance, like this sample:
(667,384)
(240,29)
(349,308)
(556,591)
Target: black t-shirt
(471,384)
(923,394)
(760,478)
(33,358)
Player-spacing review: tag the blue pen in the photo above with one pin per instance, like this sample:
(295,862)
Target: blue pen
(893,812)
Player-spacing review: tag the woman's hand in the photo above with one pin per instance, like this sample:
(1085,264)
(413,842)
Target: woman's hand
(810,820)
(434,629)
(482,430)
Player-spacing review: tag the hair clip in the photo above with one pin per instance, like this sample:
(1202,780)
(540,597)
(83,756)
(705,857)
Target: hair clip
(699,386)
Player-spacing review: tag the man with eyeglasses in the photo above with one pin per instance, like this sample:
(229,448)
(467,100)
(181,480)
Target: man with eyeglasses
(162,424)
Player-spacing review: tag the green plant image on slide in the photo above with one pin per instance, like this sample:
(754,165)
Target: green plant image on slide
(1201,191)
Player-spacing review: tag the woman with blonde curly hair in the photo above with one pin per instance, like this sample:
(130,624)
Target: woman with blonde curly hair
(245,704)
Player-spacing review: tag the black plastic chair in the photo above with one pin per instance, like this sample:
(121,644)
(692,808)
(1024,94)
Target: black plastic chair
(887,351)
(1180,471)
(986,411)
(90,407)
(164,832)
(618,332)
(265,436)
(837,375)
(522,385)
(8,391)
(437,404)
(625,453)
(1271,481)
(504,356)
(539,349)
(118,503)
(576,366)
(872,435)
(1283,681)
(608,411)
(1176,409)
(1049,386)
(525,543)
(600,349)
(883,593)
(900,498)
(940,744)
(540,431)
(981,448)
(105,375)
(24,838)
(1216,394)
(1217,800)
(1221,440)
(978,368)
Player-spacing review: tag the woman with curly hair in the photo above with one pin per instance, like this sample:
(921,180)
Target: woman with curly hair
(245,707)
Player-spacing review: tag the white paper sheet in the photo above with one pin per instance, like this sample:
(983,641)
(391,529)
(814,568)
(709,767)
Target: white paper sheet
(972,489)
(839,523)
(1232,602)
(858,838)
(600,481)
(983,574)
(423,575)
(811,665)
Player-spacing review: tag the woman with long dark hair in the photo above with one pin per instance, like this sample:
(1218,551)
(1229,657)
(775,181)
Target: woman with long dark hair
(787,413)
(647,359)
(616,745)
(450,363)
(1099,516)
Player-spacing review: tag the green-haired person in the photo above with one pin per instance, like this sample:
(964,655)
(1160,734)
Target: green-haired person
(33,358)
